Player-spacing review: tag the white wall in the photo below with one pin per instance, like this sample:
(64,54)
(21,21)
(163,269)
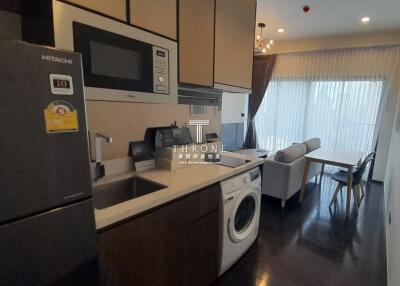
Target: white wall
(338,42)
(385,131)
(392,206)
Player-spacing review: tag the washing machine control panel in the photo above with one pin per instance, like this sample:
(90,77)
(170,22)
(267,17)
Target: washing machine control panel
(249,178)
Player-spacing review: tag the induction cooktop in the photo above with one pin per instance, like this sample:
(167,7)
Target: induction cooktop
(232,161)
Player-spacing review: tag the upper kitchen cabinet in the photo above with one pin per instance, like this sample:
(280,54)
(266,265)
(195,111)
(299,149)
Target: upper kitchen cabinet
(234,44)
(196,42)
(158,16)
(216,43)
(115,8)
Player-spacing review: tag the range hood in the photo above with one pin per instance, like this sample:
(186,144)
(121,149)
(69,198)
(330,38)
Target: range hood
(199,95)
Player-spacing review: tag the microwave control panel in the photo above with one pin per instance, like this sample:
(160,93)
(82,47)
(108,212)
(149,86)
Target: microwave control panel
(160,70)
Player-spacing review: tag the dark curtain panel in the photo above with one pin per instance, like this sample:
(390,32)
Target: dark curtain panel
(262,73)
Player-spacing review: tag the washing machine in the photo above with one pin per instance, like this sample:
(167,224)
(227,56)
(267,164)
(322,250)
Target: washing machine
(241,200)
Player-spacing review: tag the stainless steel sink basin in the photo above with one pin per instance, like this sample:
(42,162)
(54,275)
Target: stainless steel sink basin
(120,191)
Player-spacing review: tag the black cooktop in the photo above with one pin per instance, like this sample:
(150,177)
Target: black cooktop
(232,162)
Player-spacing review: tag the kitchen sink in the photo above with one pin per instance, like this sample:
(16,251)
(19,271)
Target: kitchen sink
(120,191)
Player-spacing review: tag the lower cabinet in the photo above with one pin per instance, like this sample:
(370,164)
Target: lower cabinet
(175,244)
(203,254)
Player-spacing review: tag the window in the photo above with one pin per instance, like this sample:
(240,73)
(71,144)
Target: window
(341,96)
(341,112)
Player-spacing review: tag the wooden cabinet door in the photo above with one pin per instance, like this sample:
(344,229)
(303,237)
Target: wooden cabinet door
(158,16)
(149,250)
(196,42)
(176,244)
(115,8)
(203,246)
(234,42)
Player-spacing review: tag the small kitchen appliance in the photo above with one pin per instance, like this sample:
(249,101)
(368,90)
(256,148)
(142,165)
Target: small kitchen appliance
(120,62)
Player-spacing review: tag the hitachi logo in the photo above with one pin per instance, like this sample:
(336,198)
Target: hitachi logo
(57,60)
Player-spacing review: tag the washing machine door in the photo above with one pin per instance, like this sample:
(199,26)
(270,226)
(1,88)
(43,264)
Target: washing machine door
(244,215)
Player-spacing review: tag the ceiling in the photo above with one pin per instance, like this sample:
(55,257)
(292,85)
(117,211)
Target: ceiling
(326,17)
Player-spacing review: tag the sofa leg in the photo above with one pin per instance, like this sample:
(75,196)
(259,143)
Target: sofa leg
(283,203)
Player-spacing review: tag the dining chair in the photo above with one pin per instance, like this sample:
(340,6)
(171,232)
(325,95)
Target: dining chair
(357,182)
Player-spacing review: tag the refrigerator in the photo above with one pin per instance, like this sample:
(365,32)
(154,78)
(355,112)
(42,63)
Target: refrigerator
(47,226)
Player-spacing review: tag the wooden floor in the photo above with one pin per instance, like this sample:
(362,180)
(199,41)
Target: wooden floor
(309,245)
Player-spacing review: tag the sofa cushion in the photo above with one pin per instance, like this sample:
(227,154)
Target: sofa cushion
(291,153)
(312,144)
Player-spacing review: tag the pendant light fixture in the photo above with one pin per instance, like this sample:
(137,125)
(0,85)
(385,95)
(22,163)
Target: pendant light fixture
(262,45)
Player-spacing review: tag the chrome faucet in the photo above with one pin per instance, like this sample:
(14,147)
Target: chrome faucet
(98,141)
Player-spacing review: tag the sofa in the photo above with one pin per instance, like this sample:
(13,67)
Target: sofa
(283,173)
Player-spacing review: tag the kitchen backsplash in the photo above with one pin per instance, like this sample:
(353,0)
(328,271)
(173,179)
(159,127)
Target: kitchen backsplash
(127,122)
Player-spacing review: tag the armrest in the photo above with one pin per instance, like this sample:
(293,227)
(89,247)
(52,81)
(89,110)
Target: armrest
(275,178)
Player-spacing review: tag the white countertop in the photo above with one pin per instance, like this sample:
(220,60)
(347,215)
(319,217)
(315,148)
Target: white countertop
(180,182)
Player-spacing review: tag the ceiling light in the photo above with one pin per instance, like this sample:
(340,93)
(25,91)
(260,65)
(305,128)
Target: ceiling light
(262,45)
(365,19)
(281,30)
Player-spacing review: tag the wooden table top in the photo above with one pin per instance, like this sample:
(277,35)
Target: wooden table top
(338,157)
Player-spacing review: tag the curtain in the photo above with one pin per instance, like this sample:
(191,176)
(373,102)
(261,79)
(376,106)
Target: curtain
(262,72)
(339,96)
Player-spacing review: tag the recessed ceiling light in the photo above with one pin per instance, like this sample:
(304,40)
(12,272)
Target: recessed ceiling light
(281,30)
(365,19)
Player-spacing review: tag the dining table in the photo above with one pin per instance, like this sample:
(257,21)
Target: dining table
(340,158)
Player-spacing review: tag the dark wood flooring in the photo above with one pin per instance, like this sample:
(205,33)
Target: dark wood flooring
(309,245)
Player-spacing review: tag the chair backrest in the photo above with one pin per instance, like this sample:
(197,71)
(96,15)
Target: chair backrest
(358,175)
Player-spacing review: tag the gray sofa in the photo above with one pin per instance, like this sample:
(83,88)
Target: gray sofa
(283,173)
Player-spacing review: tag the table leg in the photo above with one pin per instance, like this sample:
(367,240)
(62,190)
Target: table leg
(349,188)
(322,173)
(305,176)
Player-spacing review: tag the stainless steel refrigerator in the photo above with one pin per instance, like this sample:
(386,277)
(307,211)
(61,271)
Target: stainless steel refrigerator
(47,227)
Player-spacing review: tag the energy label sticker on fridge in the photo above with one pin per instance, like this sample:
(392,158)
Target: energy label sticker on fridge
(60,116)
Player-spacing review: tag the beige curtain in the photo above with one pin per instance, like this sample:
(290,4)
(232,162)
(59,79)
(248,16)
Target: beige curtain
(346,97)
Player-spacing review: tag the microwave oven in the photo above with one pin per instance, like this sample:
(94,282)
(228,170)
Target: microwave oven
(120,62)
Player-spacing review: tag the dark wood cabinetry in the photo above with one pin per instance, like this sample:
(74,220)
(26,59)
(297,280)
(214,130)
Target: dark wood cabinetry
(203,254)
(216,43)
(158,16)
(234,42)
(175,244)
(115,8)
(196,42)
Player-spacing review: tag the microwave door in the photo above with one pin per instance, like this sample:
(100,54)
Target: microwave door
(113,61)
